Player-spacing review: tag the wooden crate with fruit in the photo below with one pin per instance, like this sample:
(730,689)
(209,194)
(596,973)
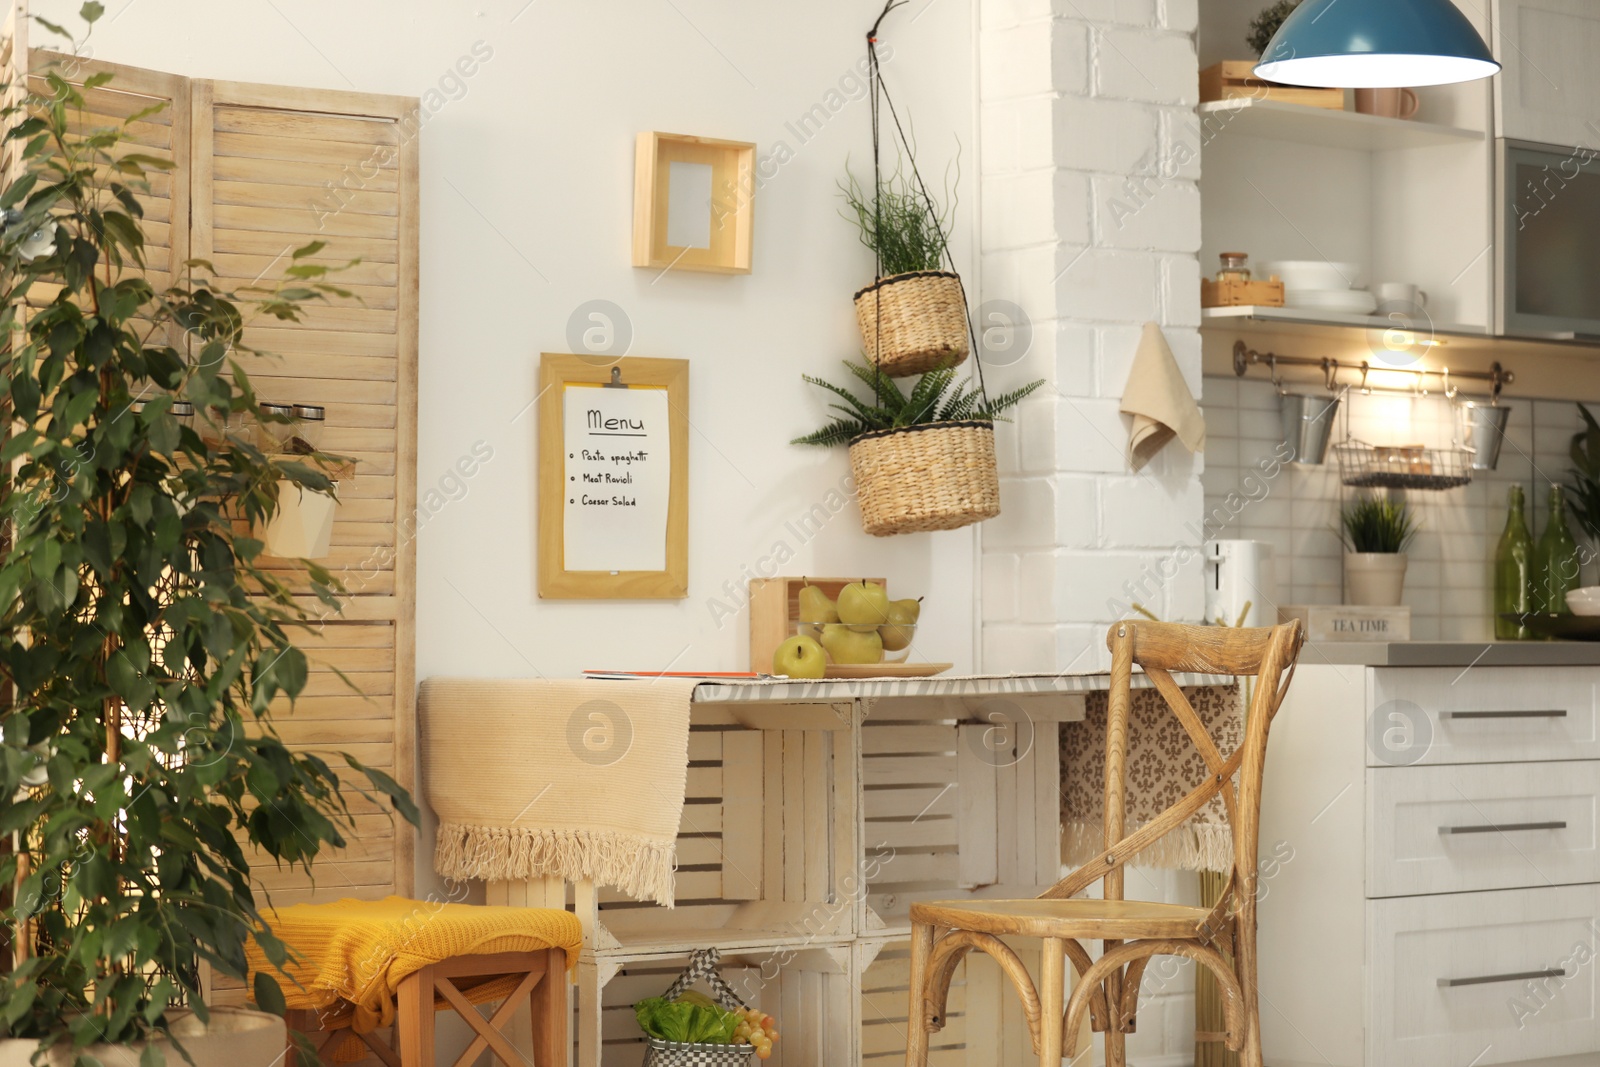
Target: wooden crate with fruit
(834,628)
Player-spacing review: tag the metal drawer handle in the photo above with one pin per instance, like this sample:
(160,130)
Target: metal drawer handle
(1503,828)
(1491,979)
(1560,713)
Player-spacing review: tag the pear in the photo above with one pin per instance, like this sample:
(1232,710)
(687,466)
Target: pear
(902,624)
(800,657)
(815,606)
(863,604)
(848,645)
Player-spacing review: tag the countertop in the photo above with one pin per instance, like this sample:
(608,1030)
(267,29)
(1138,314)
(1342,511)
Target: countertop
(1453,653)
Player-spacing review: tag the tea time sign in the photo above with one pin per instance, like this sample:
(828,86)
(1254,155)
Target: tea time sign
(613,477)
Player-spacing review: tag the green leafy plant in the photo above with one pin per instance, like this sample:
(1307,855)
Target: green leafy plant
(1265,25)
(687,1021)
(903,229)
(1377,524)
(1583,480)
(935,398)
(142,642)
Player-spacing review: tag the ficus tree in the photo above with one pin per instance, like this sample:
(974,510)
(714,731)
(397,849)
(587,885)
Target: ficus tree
(143,643)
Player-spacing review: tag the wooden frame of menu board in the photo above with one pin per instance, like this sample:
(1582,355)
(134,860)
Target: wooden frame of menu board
(560,469)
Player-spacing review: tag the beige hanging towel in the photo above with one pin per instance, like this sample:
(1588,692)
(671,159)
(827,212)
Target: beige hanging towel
(1160,402)
(571,779)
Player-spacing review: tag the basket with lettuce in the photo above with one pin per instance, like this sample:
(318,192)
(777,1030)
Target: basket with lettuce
(686,1028)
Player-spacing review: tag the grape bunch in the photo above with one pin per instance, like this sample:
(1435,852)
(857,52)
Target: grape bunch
(757,1029)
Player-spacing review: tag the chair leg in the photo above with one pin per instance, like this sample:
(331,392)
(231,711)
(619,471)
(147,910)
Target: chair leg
(415,1019)
(551,1046)
(1052,1000)
(1244,965)
(1116,1049)
(917,1016)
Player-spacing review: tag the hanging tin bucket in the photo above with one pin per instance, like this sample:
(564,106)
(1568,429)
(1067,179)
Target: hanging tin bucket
(1482,428)
(1308,424)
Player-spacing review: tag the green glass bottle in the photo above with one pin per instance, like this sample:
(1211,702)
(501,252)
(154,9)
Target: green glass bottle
(1555,560)
(1513,573)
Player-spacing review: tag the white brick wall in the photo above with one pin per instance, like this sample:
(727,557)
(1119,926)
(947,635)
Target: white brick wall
(1091,224)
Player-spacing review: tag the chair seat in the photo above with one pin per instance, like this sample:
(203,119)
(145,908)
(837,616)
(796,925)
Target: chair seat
(1100,920)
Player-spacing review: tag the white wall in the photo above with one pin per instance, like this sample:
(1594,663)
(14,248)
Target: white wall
(527,184)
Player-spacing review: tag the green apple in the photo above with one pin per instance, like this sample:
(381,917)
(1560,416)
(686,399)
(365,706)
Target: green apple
(863,603)
(902,624)
(800,657)
(848,645)
(815,605)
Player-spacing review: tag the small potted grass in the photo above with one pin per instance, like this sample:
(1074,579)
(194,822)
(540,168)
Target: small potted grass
(913,318)
(923,459)
(1376,532)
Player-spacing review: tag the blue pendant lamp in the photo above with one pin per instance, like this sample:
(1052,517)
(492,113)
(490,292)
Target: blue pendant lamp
(1376,44)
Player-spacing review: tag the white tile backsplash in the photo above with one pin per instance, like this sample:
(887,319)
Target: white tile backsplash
(1449,581)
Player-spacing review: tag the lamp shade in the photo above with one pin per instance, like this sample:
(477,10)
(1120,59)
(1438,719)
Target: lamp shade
(1375,44)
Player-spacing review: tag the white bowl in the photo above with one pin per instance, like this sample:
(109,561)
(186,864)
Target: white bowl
(1314,274)
(1585,601)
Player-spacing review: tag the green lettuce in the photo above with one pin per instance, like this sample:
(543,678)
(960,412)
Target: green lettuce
(693,1024)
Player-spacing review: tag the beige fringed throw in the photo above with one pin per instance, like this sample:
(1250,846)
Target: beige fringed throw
(571,779)
(1163,766)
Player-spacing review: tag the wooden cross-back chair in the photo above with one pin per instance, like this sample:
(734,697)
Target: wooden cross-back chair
(1221,939)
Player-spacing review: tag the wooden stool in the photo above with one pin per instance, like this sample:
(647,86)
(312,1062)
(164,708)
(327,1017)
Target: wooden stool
(446,985)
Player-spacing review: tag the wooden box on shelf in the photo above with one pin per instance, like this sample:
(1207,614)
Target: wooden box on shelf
(1235,79)
(775,608)
(1227,294)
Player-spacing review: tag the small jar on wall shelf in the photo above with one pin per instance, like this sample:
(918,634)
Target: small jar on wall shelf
(1376,532)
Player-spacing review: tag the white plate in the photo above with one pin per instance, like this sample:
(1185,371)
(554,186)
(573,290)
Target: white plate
(1342,301)
(1314,274)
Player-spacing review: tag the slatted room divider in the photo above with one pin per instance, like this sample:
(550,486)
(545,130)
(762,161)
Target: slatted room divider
(259,171)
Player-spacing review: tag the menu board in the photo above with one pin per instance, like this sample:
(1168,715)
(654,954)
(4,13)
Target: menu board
(617,477)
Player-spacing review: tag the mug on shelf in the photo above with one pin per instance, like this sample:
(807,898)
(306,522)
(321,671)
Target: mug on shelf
(1387,103)
(1403,293)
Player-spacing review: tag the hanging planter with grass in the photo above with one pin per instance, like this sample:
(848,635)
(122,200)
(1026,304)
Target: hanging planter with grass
(913,317)
(924,459)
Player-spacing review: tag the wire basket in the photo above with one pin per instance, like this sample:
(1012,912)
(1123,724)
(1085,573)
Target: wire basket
(702,967)
(1364,466)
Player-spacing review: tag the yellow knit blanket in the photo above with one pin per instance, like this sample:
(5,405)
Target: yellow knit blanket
(353,954)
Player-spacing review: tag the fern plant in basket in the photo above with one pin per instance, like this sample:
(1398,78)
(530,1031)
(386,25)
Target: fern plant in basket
(923,458)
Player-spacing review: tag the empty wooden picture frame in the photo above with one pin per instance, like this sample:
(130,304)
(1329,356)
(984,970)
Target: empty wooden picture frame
(693,203)
(613,478)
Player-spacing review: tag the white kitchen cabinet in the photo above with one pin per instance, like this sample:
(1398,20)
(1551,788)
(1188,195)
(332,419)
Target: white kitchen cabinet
(1549,91)
(1387,943)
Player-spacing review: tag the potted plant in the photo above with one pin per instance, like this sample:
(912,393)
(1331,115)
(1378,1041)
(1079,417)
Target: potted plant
(1376,533)
(923,459)
(1264,27)
(913,318)
(143,643)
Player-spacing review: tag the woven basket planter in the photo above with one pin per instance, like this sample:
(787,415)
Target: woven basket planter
(939,476)
(679,1054)
(912,323)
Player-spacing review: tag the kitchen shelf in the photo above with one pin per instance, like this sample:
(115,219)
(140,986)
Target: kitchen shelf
(1322,126)
(1308,317)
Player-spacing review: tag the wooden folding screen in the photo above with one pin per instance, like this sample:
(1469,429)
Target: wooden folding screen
(259,171)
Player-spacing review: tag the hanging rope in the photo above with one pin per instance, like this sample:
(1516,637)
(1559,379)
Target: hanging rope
(880,92)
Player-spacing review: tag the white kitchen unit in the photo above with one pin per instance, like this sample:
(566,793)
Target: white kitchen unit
(1408,200)
(1435,901)
(1549,90)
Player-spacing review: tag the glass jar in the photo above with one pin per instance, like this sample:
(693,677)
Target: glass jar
(308,434)
(273,433)
(1235,267)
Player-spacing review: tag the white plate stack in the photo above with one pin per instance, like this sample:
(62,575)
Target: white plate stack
(1318,285)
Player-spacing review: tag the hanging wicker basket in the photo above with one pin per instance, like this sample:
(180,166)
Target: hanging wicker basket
(938,476)
(912,323)
(702,967)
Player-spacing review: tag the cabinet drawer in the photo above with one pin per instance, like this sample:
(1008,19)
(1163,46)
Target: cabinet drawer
(1481,714)
(1485,826)
(1482,978)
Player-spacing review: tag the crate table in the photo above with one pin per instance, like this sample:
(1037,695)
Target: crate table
(816,812)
